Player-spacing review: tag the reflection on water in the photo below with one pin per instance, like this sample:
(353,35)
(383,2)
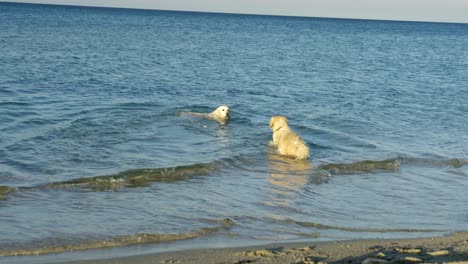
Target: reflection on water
(222,134)
(287,176)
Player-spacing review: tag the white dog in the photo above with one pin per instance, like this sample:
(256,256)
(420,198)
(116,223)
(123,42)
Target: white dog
(221,114)
(287,142)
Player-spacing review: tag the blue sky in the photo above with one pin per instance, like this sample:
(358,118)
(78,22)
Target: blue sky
(413,10)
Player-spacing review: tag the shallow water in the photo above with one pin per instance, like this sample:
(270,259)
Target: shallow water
(93,153)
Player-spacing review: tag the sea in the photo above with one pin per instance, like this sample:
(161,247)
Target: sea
(98,160)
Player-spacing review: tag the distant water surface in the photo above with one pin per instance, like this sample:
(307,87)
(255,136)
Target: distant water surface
(93,153)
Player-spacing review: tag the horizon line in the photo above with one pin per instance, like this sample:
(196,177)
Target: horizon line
(233,13)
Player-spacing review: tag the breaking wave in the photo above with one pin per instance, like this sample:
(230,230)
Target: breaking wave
(126,240)
(387,165)
(5,190)
(136,178)
(356,229)
(126,179)
(362,166)
(145,177)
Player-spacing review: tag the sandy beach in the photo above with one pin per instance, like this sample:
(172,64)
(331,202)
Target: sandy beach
(447,249)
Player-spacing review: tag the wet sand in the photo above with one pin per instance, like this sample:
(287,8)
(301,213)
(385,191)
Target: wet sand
(447,249)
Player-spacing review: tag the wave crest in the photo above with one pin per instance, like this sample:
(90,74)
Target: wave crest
(119,241)
(362,166)
(356,229)
(137,178)
(5,190)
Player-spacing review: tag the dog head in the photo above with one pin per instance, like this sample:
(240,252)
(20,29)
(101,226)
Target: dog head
(222,112)
(278,122)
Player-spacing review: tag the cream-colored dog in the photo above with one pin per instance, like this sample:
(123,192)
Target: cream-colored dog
(221,114)
(287,142)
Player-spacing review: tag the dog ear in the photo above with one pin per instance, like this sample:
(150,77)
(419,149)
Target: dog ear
(271,122)
(286,119)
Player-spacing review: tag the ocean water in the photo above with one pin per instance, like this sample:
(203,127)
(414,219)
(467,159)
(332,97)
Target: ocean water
(94,153)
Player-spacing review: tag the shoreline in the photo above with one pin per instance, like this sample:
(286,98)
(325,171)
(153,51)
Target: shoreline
(451,248)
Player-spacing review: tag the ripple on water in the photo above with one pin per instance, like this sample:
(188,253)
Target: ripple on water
(92,151)
(53,245)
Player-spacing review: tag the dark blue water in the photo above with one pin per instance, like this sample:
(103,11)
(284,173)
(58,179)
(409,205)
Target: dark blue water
(93,151)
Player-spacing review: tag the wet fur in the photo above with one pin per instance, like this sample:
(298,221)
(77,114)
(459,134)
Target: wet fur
(287,142)
(221,114)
